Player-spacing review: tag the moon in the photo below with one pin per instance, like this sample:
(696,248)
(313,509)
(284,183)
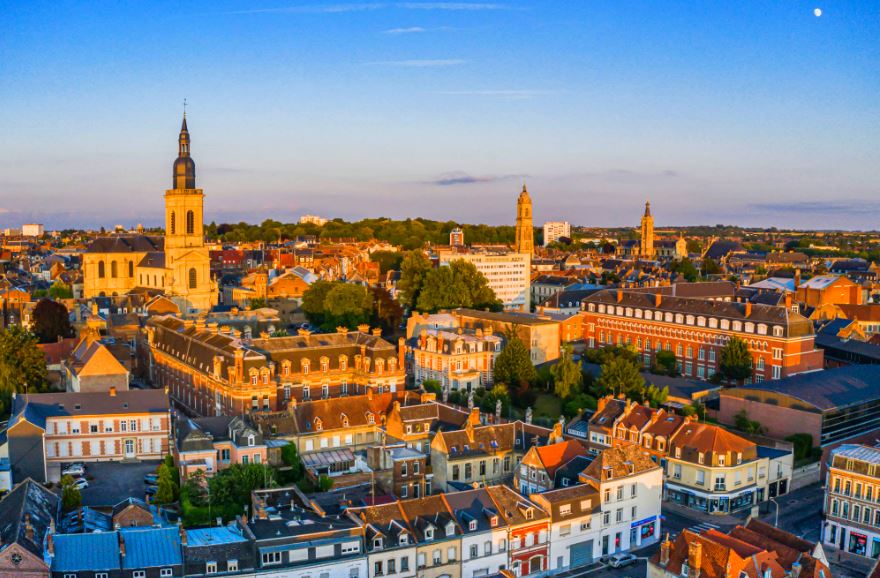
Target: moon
(817,12)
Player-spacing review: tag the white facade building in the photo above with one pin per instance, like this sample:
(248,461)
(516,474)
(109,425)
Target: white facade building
(32,230)
(554,230)
(573,530)
(508,273)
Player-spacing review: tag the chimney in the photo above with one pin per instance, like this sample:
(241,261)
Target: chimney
(342,330)
(658,298)
(364,328)
(474,417)
(795,569)
(264,335)
(182,533)
(112,391)
(665,547)
(748,308)
(401,354)
(121,544)
(377,332)
(797,278)
(788,300)
(603,401)
(695,558)
(619,295)
(303,332)
(395,407)
(28,527)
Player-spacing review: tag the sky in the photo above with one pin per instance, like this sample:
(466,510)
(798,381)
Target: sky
(756,113)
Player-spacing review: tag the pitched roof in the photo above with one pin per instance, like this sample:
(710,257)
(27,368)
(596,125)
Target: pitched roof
(711,440)
(554,456)
(39,406)
(151,547)
(29,503)
(86,552)
(126,244)
(619,462)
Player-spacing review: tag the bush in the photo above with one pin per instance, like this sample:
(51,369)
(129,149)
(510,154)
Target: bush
(803,445)
(433,386)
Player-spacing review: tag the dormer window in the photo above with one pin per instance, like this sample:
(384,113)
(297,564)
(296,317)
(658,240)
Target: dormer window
(371,419)
(404,540)
(450,529)
(344,420)
(377,543)
(429,533)
(472,526)
(318,425)
(530,514)
(250,440)
(493,521)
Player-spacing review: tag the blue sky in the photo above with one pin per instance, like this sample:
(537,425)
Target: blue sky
(753,112)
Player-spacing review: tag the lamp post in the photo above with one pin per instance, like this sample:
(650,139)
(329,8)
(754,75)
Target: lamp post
(776,520)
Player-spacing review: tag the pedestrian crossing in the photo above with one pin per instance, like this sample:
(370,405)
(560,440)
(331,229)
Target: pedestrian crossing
(704,527)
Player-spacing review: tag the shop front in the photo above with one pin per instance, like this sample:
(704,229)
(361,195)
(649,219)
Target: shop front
(710,503)
(644,531)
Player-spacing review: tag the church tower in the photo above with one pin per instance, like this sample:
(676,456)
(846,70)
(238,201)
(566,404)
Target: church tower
(525,233)
(646,247)
(186,256)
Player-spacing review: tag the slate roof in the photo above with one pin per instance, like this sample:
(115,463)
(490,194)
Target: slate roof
(154,260)
(151,547)
(581,501)
(473,505)
(126,244)
(28,501)
(823,390)
(489,439)
(86,552)
(619,462)
(721,249)
(35,408)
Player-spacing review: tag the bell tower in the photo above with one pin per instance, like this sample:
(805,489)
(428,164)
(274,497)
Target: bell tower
(646,244)
(525,233)
(184,203)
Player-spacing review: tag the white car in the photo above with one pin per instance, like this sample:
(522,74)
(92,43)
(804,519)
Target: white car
(621,560)
(74,470)
(80,484)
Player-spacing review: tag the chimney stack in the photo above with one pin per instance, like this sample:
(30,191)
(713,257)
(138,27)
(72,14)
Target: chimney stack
(665,547)
(695,558)
(619,295)
(748,308)
(377,332)
(795,569)
(797,278)
(788,300)
(658,298)
(112,391)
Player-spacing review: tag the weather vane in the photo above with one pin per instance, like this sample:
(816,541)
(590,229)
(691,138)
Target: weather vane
(184,107)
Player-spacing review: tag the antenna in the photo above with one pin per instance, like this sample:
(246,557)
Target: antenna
(184,107)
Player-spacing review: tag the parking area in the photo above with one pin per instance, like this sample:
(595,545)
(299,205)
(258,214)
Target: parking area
(112,482)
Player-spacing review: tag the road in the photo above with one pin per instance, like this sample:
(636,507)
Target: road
(800,512)
(637,570)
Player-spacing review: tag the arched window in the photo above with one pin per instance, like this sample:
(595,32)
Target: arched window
(173,226)
(131,268)
(113,271)
(193,278)
(101,269)
(190,223)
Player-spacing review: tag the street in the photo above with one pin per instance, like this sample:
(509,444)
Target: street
(637,570)
(800,512)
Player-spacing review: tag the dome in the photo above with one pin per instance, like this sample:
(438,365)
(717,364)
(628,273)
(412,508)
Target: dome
(184,173)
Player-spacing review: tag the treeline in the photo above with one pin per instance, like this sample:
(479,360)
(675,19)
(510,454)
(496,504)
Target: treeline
(409,234)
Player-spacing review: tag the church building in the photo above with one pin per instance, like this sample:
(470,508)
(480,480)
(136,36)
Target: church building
(177,264)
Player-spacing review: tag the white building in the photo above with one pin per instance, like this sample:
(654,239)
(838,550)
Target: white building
(573,529)
(32,230)
(554,230)
(630,487)
(313,219)
(508,274)
(484,549)
(851,510)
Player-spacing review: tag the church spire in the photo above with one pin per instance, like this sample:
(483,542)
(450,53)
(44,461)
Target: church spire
(184,167)
(647,208)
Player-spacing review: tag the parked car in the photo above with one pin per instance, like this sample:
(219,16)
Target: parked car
(80,484)
(75,470)
(621,560)
(151,490)
(151,479)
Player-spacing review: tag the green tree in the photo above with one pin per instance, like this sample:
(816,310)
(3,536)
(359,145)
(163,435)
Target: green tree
(388,260)
(325,483)
(432,386)
(232,487)
(655,396)
(621,375)
(258,303)
(666,362)
(51,320)
(22,364)
(513,366)
(414,269)
(567,375)
(347,305)
(196,488)
(685,268)
(60,290)
(165,494)
(735,361)
(743,423)
(313,301)
(457,285)
(71,498)
(710,267)
(386,313)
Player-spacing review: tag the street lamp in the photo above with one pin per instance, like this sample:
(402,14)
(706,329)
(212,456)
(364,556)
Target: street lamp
(775,503)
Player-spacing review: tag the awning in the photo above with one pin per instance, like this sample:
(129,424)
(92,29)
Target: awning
(327,458)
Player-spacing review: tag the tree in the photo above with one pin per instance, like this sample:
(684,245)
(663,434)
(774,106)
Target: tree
(710,267)
(258,303)
(432,386)
(22,364)
(347,305)
(685,268)
(232,487)
(165,494)
(413,269)
(71,498)
(743,423)
(666,362)
(388,260)
(60,290)
(51,320)
(513,366)
(313,301)
(196,488)
(655,396)
(567,375)
(621,375)
(325,483)
(457,285)
(387,313)
(293,470)
(735,361)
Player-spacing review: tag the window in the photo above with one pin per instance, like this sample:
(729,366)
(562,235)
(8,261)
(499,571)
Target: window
(475,551)
(435,557)
(404,565)
(139,574)
(270,558)
(190,223)
(165,573)
(232,565)
(392,566)
(210,567)
(378,569)
(193,278)
(113,269)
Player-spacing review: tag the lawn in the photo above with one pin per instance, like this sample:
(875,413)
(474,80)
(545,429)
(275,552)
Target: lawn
(548,406)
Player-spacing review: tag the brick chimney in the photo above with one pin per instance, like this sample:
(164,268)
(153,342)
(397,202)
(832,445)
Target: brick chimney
(112,391)
(474,417)
(377,332)
(342,330)
(369,393)
(788,300)
(748,308)
(364,328)
(665,548)
(695,558)
(401,354)
(797,278)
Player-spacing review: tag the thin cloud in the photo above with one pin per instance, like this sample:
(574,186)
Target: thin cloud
(461,178)
(454,6)
(314,9)
(410,30)
(519,94)
(436,63)
(854,207)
